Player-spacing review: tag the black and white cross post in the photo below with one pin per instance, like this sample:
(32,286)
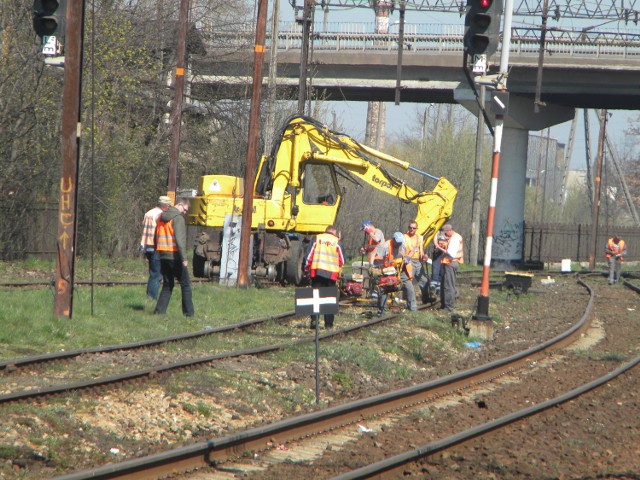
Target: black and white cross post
(317,301)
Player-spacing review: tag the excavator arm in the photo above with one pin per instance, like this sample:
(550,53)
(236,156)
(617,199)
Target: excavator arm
(306,141)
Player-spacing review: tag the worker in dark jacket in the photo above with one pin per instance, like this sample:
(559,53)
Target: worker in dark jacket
(171,244)
(324,263)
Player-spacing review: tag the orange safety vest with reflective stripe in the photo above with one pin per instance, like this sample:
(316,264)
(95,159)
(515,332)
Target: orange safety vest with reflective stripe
(614,248)
(459,256)
(413,244)
(326,255)
(165,238)
(390,260)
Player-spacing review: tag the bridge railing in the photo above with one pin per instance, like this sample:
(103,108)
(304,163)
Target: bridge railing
(438,38)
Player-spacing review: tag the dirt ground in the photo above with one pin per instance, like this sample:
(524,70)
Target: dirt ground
(595,436)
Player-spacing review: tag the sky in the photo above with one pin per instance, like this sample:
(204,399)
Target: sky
(401,118)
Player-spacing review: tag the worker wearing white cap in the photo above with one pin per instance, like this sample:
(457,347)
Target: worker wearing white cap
(374,238)
(452,257)
(148,246)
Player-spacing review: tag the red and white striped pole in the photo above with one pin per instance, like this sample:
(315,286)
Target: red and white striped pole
(482,309)
(500,104)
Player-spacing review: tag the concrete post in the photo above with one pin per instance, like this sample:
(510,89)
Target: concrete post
(508,238)
(509,220)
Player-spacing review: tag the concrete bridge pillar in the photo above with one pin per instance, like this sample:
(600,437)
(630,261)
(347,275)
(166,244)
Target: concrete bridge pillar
(508,231)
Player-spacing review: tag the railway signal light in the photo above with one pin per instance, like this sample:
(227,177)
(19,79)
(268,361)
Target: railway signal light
(49,18)
(482,27)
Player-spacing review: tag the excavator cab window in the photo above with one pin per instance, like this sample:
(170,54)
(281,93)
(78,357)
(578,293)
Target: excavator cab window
(318,185)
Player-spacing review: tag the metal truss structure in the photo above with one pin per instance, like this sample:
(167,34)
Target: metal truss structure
(627,11)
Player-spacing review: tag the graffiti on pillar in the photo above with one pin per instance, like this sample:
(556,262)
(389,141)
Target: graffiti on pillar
(507,242)
(65,230)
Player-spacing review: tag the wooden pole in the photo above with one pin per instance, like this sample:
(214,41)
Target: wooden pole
(176,113)
(596,198)
(477,183)
(252,147)
(71,130)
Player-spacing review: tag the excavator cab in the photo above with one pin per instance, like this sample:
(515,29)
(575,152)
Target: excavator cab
(318,198)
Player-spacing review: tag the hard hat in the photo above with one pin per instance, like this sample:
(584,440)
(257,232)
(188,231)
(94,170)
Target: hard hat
(365,224)
(398,237)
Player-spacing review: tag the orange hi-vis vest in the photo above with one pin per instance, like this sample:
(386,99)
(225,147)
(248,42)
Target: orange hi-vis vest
(459,256)
(399,262)
(614,248)
(325,254)
(413,245)
(165,238)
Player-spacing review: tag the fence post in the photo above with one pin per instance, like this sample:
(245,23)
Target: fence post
(579,241)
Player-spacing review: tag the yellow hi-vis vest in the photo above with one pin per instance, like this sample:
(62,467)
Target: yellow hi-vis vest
(413,245)
(325,254)
(165,238)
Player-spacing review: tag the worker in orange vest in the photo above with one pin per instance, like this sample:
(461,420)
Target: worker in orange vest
(324,264)
(614,252)
(171,243)
(415,249)
(394,253)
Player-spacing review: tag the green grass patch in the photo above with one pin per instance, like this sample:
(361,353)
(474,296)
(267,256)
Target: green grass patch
(200,408)
(105,315)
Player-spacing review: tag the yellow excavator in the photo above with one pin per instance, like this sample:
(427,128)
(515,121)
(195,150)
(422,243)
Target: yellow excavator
(296,195)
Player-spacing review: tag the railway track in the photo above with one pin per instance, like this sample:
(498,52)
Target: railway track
(222,464)
(218,451)
(12,365)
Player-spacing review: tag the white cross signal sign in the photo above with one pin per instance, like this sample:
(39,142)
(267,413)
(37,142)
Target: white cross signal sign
(316,301)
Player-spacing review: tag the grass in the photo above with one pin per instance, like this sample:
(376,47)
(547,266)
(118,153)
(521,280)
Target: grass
(105,315)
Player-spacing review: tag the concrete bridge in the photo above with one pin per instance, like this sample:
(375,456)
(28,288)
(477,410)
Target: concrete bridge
(584,69)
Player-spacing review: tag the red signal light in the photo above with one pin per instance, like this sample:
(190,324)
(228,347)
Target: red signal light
(485,3)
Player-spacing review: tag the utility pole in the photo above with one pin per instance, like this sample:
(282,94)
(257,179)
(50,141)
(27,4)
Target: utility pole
(374,131)
(546,176)
(568,153)
(272,85)
(307,19)
(477,181)
(596,199)
(400,48)
(625,188)
(252,147)
(587,151)
(543,32)
(176,113)
(71,129)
